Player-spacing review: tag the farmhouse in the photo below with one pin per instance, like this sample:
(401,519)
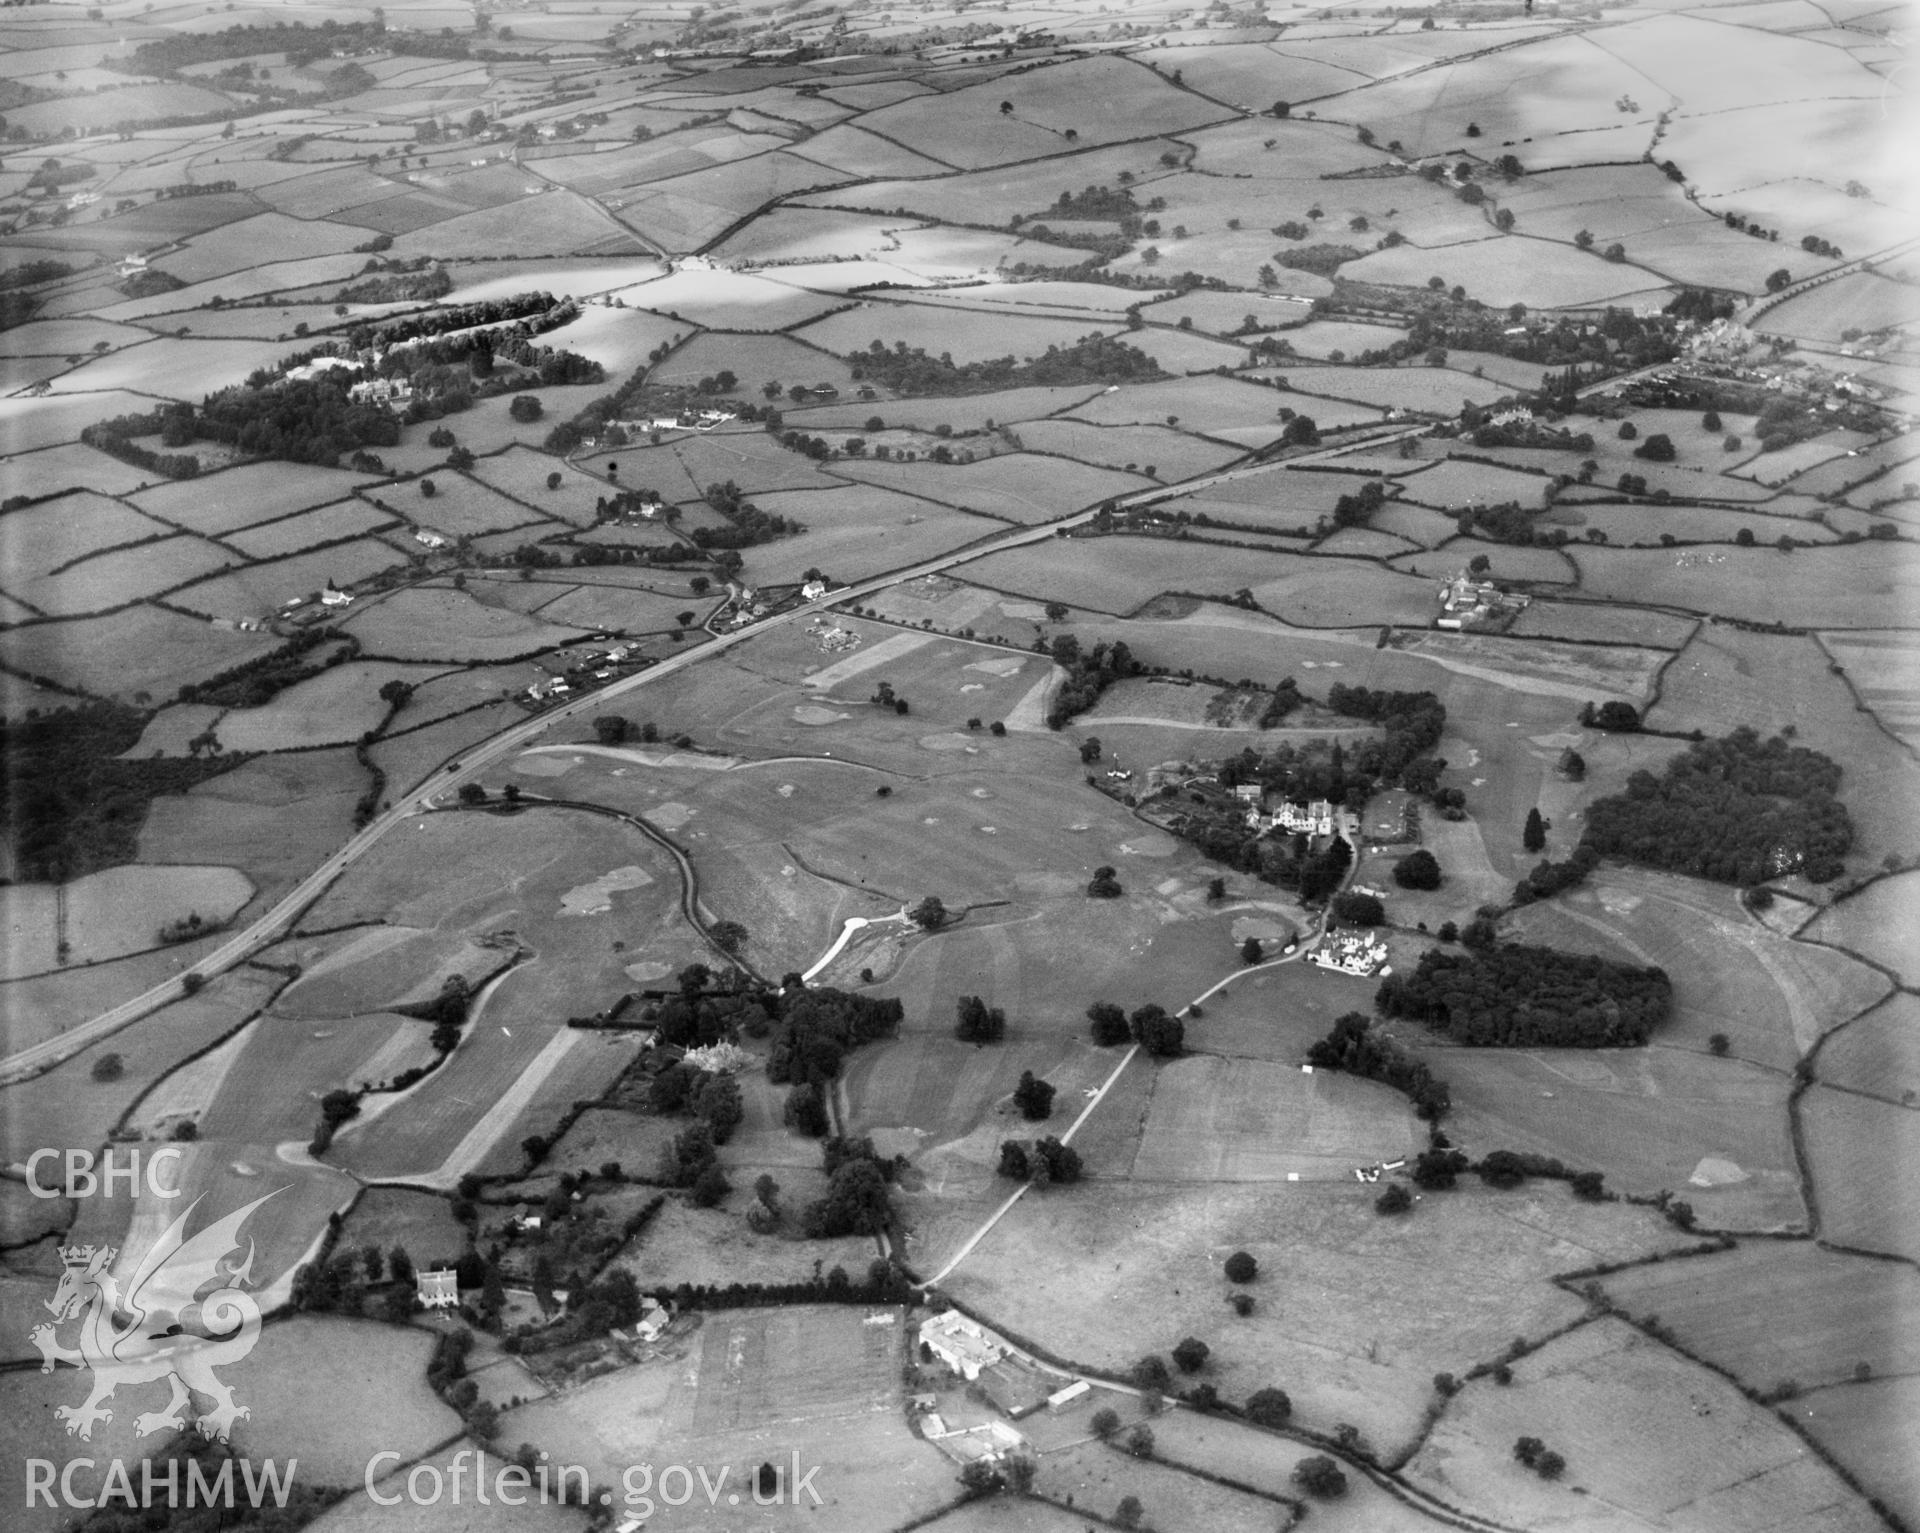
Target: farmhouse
(1465,601)
(959,1343)
(436,1290)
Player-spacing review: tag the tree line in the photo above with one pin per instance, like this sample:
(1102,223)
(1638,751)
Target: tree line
(909,370)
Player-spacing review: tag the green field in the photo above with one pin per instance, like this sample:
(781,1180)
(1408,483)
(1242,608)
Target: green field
(1636,1424)
(1769,1311)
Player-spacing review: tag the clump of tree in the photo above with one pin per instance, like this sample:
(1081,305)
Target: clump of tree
(1109,1024)
(856,1201)
(1353,1046)
(1737,810)
(1355,909)
(1034,1097)
(977,1022)
(1157,1031)
(1538,1457)
(1417,870)
(1089,674)
(1045,1160)
(817,1028)
(1519,996)
(1105,883)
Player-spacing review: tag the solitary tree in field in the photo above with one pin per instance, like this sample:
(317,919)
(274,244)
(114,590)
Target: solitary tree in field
(1584,239)
(1034,1097)
(109,1067)
(1320,1476)
(1534,836)
(1241,1267)
(1269,1407)
(1190,1356)
(930,913)
(1109,1023)
(1417,870)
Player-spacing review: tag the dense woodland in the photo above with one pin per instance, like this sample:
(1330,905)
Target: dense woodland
(909,371)
(1529,997)
(69,805)
(1737,810)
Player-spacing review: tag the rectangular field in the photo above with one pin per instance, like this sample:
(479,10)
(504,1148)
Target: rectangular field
(336,523)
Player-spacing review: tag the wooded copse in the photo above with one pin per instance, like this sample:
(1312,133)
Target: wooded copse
(1736,810)
(1519,996)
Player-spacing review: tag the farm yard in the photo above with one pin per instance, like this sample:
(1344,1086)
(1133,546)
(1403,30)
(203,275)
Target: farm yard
(426,442)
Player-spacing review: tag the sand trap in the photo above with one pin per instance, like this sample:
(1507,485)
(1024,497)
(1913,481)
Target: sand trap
(785,790)
(1715,1172)
(596,898)
(982,793)
(945,742)
(647,971)
(989,830)
(668,816)
(1000,665)
(1152,844)
(974,686)
(1618,902)
(813,713)
(1266,928)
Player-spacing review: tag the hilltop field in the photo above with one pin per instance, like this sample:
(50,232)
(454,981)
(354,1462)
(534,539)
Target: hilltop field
(1235,687)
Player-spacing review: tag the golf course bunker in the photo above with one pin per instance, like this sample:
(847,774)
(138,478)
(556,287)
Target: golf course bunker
(1000,665)
(647,970)
(813,713)
(946,742)
(1715,1172)
(596,898)
(1153,843)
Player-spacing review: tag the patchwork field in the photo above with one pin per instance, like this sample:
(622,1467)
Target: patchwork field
(1769,1311)
(1634,1422)
(740,204)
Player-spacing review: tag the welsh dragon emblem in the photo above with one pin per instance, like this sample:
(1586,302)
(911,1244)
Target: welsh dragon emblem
(159,1327)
